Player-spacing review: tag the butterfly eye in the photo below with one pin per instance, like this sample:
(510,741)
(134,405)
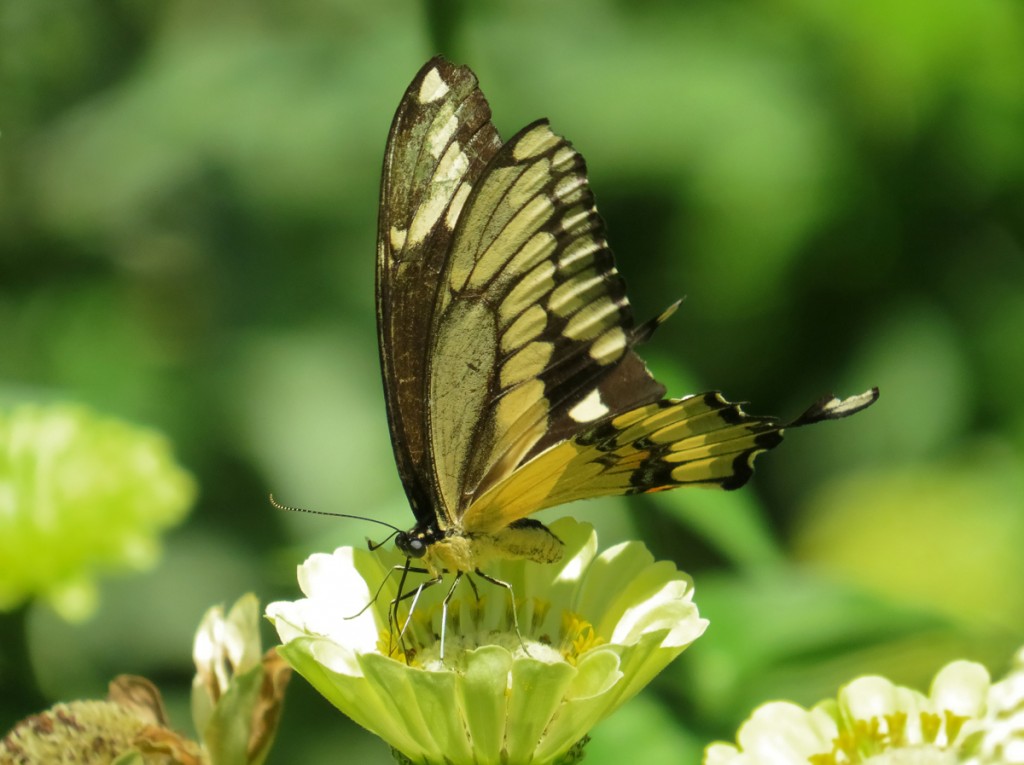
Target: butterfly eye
(410,546)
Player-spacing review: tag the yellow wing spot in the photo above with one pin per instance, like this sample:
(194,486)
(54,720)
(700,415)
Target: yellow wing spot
(451,167)
(653,418)
(589,321)
(732,441)
(535,284)
(575,217)
(570,188)
(572,295)
(530,217)
(537,141)
(590,408)
(633,416)
(537,248)
(677,432)
(455,208)
(398,238)
(432,88)
(711,423)
(517,233)
(713,468)
(564,158)
(669,417)
(517,401)
(702,428)
(528,184)
(525,328)
(609,347)
(579,249)
(526,363)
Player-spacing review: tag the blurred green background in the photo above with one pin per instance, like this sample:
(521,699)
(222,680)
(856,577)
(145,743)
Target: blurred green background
(187,221)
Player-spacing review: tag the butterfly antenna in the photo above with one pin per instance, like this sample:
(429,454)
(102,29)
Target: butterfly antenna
(293,509)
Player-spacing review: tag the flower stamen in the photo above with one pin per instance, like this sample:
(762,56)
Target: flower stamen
(578,637)
(864,739)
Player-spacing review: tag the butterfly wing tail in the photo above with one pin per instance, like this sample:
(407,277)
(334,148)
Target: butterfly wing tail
(832,408)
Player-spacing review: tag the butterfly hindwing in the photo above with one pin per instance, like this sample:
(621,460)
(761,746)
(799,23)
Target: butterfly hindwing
(700,440)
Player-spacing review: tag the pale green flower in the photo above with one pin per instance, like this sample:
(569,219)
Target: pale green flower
(872,722)
(596,629)
(237,691)
(80,494)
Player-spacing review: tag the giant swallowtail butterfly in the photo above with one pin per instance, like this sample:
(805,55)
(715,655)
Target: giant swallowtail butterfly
(508,346)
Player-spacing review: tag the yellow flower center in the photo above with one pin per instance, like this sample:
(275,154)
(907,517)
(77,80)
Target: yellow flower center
(864,739)
(578,636)
(471,624)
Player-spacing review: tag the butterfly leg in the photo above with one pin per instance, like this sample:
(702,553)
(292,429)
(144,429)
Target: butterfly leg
(512,605)
(384,581)
(476,592)
(415,595)
(444,609)
(393,619)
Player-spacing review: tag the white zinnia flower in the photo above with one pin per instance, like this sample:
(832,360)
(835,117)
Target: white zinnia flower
(872,722)
(595,629)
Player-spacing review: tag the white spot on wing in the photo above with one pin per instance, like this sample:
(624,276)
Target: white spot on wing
(432,87)
(452,166)
(438,139)
(442,188)
(590,408)
(397,237)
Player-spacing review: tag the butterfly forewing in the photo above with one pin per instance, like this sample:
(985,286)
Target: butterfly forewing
(440,141)
(532,323)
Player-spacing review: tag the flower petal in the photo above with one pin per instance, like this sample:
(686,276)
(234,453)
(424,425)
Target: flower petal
(961,688)
(482,695)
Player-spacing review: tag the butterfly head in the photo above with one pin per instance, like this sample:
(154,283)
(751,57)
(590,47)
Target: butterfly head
(415,542)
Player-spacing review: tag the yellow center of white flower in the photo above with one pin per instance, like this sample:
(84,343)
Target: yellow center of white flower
(471,624)
(888,740)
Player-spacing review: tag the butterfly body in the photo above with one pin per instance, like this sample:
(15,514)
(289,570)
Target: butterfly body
(508,345)
(458,551)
